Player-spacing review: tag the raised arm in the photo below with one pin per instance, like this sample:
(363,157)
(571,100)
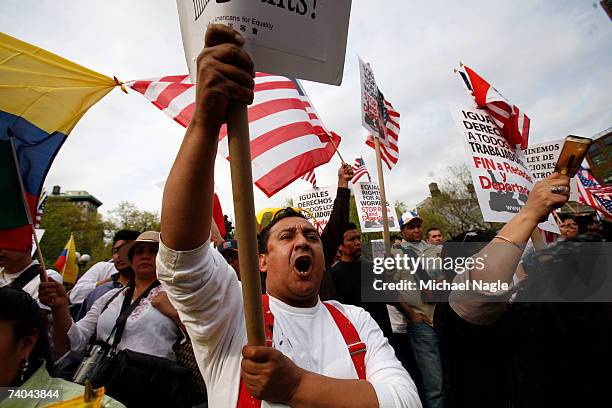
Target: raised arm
(339,217)
(225,74)
(502,255)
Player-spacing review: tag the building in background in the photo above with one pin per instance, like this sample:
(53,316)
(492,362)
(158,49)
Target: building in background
(82,199)
(599,157)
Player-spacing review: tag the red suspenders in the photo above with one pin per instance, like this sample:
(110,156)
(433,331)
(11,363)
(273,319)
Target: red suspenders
(356,347)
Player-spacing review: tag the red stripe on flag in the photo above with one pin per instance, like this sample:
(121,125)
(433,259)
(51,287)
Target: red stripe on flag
(140,86)
(172,78)
(169,93)
(276,179)
(267,86)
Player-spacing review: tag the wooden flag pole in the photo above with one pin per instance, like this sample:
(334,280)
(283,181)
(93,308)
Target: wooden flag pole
(246,229)
(536,239)
(383,198)
(41,261)
(336,147)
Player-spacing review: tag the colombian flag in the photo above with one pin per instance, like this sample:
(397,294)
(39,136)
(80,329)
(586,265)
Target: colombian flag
(42,97)
(66,263)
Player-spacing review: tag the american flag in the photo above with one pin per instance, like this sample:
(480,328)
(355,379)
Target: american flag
(40,208)
(591,193)
(287,137)
(389,146)
(310,177)
(513,124)
(359,170)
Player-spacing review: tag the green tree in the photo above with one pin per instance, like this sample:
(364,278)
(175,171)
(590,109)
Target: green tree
(127,216)
(62,218)
(92,233)
(454,209)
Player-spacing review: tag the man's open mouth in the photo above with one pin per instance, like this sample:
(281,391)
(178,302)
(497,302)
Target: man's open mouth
(303,265)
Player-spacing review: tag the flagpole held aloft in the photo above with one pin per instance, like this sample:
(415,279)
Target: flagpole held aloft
(383,198)
(41,261)
(331,139)
(246,231)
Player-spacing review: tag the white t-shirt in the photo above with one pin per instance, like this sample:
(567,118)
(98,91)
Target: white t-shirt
(87,283)
(208,297)
(147,330)
(32,286)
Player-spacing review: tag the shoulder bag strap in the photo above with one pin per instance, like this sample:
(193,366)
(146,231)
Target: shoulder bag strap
(25,277)
(127,308)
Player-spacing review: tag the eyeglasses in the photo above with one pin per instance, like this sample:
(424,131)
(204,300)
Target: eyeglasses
(115,250)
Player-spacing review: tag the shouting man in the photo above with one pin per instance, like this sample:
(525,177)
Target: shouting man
(320,355)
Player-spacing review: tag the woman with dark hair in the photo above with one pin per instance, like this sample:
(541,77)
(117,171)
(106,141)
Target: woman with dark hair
(25,355)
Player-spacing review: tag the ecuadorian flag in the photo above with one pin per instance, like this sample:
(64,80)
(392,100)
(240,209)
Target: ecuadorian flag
(66,263)
(42,97)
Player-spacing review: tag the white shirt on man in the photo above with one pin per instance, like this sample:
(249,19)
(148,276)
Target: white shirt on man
(87,283)
(208,297)
(32,286)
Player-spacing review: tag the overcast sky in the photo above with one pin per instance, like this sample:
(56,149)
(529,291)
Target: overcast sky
(551,58)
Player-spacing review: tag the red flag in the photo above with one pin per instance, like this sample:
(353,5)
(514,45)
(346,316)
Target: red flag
(513,124)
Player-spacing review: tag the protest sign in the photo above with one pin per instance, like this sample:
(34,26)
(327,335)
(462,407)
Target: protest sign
(302,39)
(372,102)
(541,159)
(318,202)
(378,248)
(369,210)
(500,174)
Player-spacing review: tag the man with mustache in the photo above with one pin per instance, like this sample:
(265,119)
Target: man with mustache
(310,362)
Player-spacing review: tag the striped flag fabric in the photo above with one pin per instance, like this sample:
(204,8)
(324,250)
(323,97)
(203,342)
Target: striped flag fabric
(591,193)
(359,170)
(287,136)
(389,146)
(66,264)
(310,177)
(512,123)
(40,209)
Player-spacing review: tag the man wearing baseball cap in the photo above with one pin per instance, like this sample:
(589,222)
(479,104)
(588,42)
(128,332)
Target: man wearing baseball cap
(418,313)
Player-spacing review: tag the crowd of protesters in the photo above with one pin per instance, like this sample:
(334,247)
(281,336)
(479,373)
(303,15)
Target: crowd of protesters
(162,322)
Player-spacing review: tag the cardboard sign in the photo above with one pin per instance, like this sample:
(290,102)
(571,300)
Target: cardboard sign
(372,102)
(319,203)
(367,198)
(502,180)
(541,160)
(296,38)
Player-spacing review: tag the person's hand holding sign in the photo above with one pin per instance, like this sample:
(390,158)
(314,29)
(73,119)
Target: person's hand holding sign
(225,73)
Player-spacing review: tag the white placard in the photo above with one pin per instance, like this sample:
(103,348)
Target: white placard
(541,160)
(500,174)
(319,203)
(378,248)
(367,198)
(297,38)
(372,104)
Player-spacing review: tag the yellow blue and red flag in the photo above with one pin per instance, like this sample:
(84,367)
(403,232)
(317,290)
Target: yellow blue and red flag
(42,97)
(66,264)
